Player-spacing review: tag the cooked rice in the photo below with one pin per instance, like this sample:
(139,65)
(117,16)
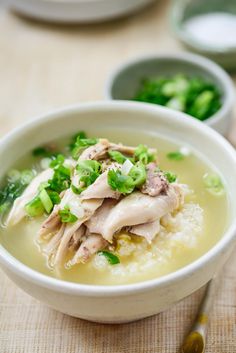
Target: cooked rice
(181,229)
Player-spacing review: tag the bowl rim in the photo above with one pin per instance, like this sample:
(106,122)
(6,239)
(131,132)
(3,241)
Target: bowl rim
(187,38)
(199,61)
(13,265)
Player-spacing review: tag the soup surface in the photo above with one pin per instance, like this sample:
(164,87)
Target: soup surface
(183,237)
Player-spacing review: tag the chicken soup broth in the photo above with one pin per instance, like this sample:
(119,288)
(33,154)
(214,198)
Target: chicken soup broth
(158,214)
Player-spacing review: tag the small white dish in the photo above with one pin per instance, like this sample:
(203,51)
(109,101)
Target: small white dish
(123,303)
(124,81)
(76,11)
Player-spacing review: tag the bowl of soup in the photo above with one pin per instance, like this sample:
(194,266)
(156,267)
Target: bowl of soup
(114,211)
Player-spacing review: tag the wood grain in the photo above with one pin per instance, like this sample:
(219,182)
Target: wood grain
(47,66)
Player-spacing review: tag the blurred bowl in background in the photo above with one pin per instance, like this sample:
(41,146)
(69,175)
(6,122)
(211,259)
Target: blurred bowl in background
(125,81)
(207,28)
(76,11)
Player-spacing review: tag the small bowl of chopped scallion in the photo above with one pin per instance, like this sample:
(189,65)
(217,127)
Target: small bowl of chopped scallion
(184,82)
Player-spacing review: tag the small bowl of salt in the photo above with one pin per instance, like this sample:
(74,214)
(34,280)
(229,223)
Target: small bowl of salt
(208,28)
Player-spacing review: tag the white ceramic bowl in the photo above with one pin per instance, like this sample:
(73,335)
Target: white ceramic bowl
(124,81)
(76,11)
(123,303)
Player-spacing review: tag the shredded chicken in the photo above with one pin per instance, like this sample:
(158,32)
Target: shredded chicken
(89,207)
(138,208)
(91,244)
(100,189)
(156,181)
(100,150)
(17,212)
(146,230)
(96,223)
(97,151)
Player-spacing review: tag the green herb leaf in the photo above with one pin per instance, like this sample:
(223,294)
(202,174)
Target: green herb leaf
(175,156)
(111,258)
(58,161)
(81,135)
(61,177)
(88,171)
(54,196)
(82,143)
(143,155)
(117,156)
(122,183)
(43,151)
(66,216)
(213,184)
(171,177)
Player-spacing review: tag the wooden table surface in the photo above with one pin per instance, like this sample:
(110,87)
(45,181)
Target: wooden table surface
(45,66)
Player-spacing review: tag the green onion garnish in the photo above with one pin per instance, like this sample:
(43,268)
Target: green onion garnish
(213,184)
(35,207)
(111,258)
(46,200)
(171,177)
(117,156)
(66,216)
(175,156)
(143,155)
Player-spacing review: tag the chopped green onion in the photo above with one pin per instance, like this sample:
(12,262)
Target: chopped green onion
(81,135)
(35,207)
(138,174)
(82,143)
(202,104)
(44,152)
(111,258)
(117,156)
(213,184)
(66,216)
(195,96)
(46,201)
(54,196)
(58,161)
(175,156)
(16,184)
(122,183)
(143,155)
(171,177)
(176,103)
(88,171)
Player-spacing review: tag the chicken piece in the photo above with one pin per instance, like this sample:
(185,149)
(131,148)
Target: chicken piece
(146,230)
(89,207)
(18,212)
(97,151)
(127,150)
(156,182)
(138,208)
(100,189)
(100,150)
(50,225)
(53,243)
(96,223)
(76,238)
(53,222)
(92,244)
